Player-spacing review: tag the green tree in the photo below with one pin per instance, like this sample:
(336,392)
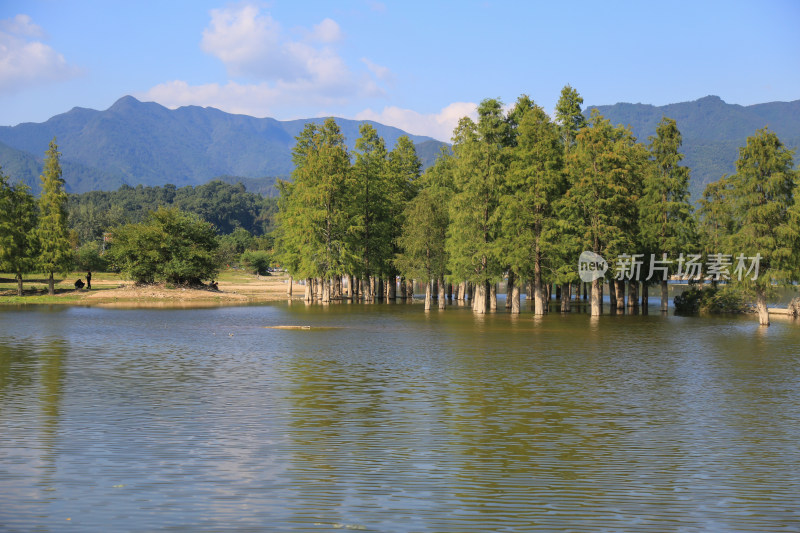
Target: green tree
(763,193)
(534,183)
(666,222)
(171,246)
(371,220)
(18,241)
(314,208)
(606,166)
(422,253)
(55,252)
(715,217)
(479,173)
(569,116)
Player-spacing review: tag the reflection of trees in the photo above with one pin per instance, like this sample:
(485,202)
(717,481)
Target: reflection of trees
(31,388)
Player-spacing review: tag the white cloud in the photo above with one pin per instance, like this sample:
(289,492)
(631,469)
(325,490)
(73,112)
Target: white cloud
(253,45)
(259,100)
(327,31)
(273,73)
(25,62)
(437,125)
(380,72)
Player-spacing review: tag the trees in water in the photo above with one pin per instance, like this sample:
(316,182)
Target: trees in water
(521,196)
(755,213)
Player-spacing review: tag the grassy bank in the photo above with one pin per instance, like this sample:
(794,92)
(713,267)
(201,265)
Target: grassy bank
(235,287)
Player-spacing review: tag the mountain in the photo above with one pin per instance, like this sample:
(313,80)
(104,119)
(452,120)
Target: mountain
(135,142)
(145,143)
(712,130)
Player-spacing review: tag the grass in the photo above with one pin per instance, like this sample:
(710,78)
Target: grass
(35,287)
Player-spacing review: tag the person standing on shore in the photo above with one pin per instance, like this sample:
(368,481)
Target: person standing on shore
(88,280)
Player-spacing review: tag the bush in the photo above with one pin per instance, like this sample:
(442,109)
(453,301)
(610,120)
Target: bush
(171,246)
(88,257)
(257,261)
(709,300)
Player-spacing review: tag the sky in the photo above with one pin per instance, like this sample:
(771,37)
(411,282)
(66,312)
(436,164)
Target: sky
(417,65)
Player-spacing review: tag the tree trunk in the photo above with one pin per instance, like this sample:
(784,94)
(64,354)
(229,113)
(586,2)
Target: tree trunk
(645,297)
(309,288)
(761,306)
(442,295)
(612,296)
(509,289)
(392,293)
(51,287)
(403,293)
(19,284)
(493,297)
(289,288)
(620,294)
(450,291)
(633,294)
(470,292)
(380,290)
(538,291)
(370,296)
(410,289)
(326,291)
(481,300)
(597,295)
(664,296)
(515,299)
(564,297)
(428,295)
(584,291)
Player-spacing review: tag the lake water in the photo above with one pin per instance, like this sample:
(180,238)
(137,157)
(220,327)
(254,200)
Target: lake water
(387,418)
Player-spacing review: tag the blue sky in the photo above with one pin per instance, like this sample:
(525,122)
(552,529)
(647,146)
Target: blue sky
(416,65)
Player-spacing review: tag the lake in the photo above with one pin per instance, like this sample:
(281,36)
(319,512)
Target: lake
(386,418)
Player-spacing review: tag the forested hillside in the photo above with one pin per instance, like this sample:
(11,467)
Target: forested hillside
(712,130)
(224,205)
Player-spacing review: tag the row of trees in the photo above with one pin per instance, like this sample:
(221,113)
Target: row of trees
(34,235)
(521,196)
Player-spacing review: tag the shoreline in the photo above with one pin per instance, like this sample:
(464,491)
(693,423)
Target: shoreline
(108,290)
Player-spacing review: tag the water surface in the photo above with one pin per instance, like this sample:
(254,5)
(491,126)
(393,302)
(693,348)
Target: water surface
(386,418)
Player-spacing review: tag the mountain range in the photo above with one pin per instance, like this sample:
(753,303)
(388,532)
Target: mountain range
(135,142)
(145,143)
(712,130)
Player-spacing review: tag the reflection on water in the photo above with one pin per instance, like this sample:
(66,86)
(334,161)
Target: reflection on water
(386,418)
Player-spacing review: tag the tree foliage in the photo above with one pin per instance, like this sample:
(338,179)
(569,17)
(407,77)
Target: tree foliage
(18,240)
(170,245)
(55,252)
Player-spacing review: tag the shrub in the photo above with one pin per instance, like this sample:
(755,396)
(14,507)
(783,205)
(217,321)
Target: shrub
(257,261)
(710,300)
(88,257)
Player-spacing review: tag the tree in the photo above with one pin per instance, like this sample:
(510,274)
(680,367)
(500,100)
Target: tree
(606,165)
(479,173)
(314,209)
(18,241)
(666,223)
(569,116)
(171,246)
(55,252)
(371,222)
(534,183)
(763,194)
(422,253)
